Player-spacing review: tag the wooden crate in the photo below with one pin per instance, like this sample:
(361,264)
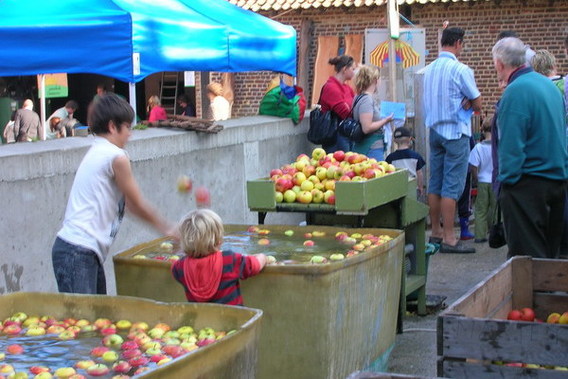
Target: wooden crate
(474,335)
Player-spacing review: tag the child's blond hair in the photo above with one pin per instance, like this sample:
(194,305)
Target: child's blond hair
(201,233)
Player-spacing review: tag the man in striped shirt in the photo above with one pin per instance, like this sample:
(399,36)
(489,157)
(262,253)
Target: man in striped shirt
(450,97)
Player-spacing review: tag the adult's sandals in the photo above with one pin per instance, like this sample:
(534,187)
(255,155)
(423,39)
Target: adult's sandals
(459,248)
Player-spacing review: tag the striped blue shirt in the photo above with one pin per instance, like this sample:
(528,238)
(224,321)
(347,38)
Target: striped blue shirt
(447,83)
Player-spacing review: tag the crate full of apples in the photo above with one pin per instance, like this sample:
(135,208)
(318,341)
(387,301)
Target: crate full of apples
(342,181)
(514,324)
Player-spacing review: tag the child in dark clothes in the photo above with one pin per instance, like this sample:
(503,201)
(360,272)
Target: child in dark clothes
(404,157)
(206,273)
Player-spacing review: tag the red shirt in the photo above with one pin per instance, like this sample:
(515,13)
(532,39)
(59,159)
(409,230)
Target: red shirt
(235,266)
(337,96)
(157,113)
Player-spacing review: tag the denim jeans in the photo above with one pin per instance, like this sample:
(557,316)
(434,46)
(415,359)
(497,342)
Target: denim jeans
(448,165)
(77,269)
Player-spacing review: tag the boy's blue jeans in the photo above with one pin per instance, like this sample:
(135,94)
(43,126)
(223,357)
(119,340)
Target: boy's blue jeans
(77,269)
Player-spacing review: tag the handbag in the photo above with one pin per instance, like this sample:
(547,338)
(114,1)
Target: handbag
(350,127)
(497,232)
(323,126)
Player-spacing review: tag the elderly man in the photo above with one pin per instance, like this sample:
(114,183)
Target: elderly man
(532,154)
(27,126)
(450,93)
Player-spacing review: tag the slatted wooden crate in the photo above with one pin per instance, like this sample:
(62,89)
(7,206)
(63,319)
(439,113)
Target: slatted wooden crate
(475,339)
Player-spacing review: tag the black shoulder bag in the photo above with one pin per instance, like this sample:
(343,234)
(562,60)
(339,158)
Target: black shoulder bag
(497,231)
(350,127)
(323,126)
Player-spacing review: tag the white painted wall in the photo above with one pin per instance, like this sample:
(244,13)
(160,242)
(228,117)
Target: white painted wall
(36,178)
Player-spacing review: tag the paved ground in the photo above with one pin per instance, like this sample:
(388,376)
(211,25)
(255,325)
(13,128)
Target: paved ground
(450,275)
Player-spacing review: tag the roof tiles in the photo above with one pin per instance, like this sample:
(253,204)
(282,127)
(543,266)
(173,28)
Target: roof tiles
(283,5)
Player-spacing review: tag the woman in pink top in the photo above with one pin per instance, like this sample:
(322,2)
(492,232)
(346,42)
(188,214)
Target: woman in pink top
(156,111)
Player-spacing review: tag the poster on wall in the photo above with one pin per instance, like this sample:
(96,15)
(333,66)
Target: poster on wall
(55,85)
(410,57)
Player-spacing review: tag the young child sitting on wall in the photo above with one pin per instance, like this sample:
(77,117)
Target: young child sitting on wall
(206,273)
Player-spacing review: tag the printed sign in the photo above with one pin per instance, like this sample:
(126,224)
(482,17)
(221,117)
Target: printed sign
(55,85)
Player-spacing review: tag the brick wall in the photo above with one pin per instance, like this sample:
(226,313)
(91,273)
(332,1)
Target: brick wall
(543,24)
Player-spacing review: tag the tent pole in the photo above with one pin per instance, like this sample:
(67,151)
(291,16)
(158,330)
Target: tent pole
(132,98)
(42,104)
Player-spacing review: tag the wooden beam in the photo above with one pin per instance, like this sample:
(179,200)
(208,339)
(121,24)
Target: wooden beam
(306,35)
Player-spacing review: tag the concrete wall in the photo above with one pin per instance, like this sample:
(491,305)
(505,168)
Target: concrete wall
(36,178)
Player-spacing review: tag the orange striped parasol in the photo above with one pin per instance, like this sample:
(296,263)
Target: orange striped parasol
(404,53)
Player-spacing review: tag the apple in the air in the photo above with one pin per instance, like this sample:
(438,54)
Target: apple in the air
(184,184)
(202,197)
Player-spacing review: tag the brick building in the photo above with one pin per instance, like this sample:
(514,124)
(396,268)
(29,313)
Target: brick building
(543,24)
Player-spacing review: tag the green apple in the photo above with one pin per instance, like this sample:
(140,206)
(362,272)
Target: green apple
(289,233)
(110,356)
(290,196)
(336,257)
(317,259)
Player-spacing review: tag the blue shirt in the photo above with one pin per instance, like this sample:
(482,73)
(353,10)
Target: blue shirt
(447,83)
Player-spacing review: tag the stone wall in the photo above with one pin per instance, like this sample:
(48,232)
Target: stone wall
(36,179)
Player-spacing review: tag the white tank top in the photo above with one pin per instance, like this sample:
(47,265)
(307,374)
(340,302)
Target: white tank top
(96,205)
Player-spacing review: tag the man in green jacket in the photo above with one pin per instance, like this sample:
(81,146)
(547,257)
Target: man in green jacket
(532,154)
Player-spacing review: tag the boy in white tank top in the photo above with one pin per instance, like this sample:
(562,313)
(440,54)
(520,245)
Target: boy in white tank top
(103,184)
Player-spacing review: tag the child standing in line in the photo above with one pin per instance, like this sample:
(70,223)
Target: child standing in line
(481,165)
(206,273)
(404,157)
(103,186)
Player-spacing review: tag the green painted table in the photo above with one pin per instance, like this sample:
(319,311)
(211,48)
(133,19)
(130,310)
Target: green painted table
(386,202)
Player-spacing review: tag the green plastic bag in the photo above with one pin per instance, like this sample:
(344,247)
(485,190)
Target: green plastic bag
(277,103)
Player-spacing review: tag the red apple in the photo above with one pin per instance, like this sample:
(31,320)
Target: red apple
(329,197)
(98,369)
(527,314)
(202,197)
(276,171)
(38,369)
(139,361)
(121,367)
(514,315)
(129,345)
(15,349)
(131,353)
(339,155)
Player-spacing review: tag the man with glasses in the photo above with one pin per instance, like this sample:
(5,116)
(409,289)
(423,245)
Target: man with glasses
(450,96)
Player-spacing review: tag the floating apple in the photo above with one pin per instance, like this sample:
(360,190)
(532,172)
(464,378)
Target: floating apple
(98,369)
(38,369)
(113,340)
(64,372)
(289,233)
(85,364)
(15,349)
(336,257)
(110,356)
(317,259)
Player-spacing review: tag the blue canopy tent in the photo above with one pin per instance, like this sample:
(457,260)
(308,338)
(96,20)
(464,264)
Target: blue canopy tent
(131,39)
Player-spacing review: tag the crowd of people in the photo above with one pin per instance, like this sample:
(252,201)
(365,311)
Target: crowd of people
(519,164)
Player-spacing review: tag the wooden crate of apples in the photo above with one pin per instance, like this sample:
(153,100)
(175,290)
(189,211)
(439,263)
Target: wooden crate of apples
(514,324)
(343,181)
